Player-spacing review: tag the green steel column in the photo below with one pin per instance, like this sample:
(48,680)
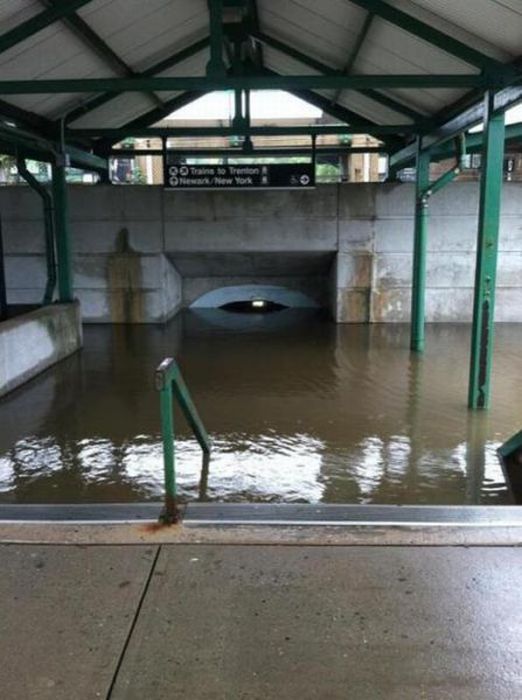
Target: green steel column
(487,254)
(418,291)
(63,248)
(167,432)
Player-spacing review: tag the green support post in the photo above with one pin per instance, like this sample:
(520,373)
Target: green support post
(487,254)
(63,248)
(418,291)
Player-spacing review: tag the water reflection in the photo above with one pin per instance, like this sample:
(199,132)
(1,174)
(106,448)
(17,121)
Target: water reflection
(300,410)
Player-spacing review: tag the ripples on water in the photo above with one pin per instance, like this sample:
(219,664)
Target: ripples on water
(299,410)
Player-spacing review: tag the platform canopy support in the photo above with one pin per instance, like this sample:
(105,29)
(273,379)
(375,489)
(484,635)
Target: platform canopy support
(63,245)
(487,255)
(420,246)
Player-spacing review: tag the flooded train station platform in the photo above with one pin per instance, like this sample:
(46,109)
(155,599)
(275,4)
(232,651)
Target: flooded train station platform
(299,410)
(260,369)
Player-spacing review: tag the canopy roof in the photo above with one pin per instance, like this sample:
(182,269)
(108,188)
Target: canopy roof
(395,68)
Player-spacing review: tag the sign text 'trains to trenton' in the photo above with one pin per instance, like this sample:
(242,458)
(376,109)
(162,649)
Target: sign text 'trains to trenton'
(179,176)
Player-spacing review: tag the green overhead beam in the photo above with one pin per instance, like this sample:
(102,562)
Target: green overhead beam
(61,9)
(281,152)
(434,36)
(482,335)
(208,131)
(245,82)
(162,65)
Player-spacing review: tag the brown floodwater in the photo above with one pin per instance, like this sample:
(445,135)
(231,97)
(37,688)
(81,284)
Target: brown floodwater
(299,410)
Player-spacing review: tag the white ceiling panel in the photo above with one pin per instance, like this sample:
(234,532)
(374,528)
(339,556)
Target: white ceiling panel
(119,111)
(14,12)
(491,26)
(138,30)
(369,109)
(327,30)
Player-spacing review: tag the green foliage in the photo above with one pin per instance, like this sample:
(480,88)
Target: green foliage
(326,172)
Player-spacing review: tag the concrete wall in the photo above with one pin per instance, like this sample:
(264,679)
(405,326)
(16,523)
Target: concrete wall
(141,252)
(31,343)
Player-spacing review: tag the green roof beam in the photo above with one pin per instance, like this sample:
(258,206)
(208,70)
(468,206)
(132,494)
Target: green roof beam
(209,131)
(245,82)
(280,152)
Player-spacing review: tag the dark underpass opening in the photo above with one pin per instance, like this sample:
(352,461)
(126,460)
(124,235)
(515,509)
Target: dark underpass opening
(254,306)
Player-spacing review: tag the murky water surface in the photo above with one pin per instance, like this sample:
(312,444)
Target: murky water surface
(299,410)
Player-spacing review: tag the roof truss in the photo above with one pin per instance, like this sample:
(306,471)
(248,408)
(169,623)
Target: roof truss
(494,75)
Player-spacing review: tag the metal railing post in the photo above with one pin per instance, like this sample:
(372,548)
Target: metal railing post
(170,384)
(167,432)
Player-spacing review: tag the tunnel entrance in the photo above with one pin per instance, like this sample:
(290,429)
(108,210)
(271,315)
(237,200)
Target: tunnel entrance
(254,306)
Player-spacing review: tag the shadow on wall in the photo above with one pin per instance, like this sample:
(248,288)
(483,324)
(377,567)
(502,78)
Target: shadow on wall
(289,298)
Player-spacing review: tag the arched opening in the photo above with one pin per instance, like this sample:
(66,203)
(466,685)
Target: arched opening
(257,298)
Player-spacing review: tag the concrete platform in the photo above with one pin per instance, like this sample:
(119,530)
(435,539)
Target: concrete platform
(65,613)
(260,622)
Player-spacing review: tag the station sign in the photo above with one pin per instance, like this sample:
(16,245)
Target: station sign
(245,176)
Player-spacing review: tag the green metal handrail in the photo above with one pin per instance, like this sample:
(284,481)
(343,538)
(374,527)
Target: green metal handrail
(169,382)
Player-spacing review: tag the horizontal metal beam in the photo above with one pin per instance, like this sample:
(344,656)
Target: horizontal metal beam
(238,153)
(474,115)
(208,131)
(437,38)
(61,9)
(246,82)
